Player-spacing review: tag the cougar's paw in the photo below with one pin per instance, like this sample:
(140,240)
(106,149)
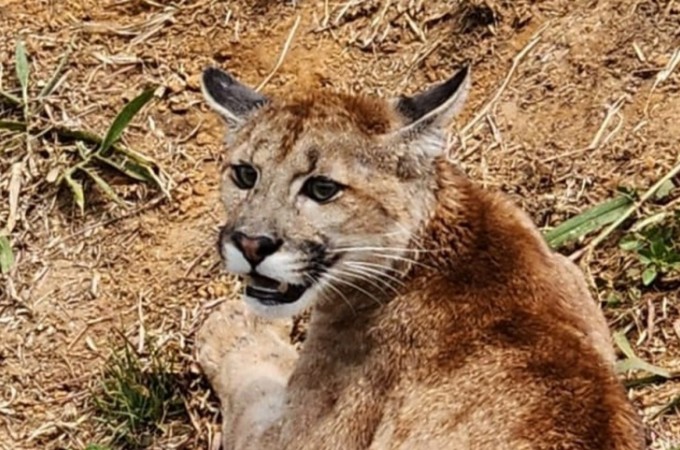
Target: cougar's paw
(230,344)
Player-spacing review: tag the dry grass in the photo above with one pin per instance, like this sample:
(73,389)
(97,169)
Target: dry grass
(571,103)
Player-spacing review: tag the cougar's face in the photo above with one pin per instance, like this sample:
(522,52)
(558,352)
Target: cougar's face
(312,219)
(323,194)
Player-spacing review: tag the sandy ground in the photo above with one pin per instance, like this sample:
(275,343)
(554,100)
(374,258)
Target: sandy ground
(570,102)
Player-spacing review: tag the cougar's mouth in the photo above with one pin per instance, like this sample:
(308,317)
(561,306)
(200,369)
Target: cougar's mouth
(272,292)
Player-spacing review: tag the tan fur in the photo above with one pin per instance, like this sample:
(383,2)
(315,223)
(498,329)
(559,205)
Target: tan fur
(489,340)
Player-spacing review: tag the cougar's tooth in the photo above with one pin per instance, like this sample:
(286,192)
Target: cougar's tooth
(283,287)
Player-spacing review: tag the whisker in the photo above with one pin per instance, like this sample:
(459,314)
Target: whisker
(353,274)
(357,273)
(394,249)
(370,249)
(404,259)
(349,283)
(370,268)
(417,240)
(327,283)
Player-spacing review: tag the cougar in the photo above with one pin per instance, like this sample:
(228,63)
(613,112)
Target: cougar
(440,318)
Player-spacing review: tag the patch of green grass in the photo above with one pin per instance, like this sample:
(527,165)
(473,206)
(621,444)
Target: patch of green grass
(590,220)
(95,154)
(104,154)
(613,213)
(632,362)
(136,396)
(657,247)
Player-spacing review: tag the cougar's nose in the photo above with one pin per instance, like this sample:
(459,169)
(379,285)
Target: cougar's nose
(255,248)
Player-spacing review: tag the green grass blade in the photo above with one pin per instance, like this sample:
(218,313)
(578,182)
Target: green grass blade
(12,125)
(22,68)
(634,362)
(77,190)
(103,185)
(9,98)
(56,75)
(649,275)
(123,167)
(136,156)
(6,255)
(135,170)
(124,118)
(674,404)
(588,221)
(664,189)
(148,174)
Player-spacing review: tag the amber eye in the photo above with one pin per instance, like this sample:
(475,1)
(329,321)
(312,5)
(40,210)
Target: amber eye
(244,175)
(321,189)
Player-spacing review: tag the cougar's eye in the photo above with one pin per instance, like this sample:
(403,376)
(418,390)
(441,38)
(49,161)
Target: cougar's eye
(321,189)
(244,175)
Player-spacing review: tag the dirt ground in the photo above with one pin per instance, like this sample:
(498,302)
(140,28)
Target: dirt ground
(571,100)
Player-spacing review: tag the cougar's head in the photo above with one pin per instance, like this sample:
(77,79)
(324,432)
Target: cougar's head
(323,191)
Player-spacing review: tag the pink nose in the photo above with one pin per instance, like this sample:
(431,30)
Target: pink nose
(255,248)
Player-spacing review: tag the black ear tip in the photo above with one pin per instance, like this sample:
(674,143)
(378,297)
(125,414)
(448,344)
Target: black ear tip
(462,74)
(213,76)
(458,79)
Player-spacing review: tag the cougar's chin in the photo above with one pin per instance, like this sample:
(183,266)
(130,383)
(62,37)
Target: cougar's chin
(273,300)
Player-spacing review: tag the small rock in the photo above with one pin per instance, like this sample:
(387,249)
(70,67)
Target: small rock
(178,106)
(52,175)
(204,138)
(225,53)
(176,85)
(201,189)
(194,82)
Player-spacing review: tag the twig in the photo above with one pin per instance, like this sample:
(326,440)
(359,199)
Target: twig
(343,11)
(108,222)
(14,190)
(62,132)
(425,51)
(515,64)
(284,51)
(598,140)
(56,76)
(663,76)
(10,98)
(197,260)
(326,15)
(87,326)
(670,406)
(142,328)
(633,208)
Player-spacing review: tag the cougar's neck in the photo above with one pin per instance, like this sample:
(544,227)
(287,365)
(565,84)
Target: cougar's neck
(456,222)
(479,237)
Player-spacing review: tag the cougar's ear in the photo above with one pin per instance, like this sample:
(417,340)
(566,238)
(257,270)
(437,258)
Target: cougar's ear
(427,114)
(231,99)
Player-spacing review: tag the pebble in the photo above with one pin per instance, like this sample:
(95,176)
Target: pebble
(194,82)
(176,85)
(204,138)
(201,189)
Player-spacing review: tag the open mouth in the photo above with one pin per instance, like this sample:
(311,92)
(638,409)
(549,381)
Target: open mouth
(272,292)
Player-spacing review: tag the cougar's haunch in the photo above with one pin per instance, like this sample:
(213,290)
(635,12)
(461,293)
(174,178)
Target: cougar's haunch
(440,317)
